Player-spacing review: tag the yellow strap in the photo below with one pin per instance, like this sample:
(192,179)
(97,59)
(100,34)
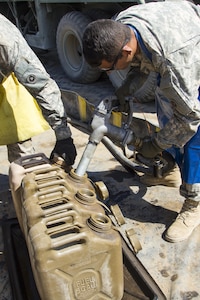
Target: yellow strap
(82,108)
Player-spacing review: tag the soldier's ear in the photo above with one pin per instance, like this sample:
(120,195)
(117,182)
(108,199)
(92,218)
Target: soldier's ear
(127,51)
(127,48)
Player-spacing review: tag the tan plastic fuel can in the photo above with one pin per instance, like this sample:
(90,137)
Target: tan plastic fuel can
(74,249)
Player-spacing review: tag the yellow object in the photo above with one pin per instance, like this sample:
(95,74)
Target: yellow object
(117,118)
(20,115)
(82,108)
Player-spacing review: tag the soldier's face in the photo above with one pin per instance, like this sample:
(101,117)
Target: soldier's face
(124,58)
(121,63)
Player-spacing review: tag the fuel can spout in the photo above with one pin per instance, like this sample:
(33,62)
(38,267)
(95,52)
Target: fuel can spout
(101,126)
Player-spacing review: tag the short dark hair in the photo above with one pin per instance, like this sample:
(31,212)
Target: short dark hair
(103,39)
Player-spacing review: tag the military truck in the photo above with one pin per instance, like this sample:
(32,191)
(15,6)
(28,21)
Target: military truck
(59,24)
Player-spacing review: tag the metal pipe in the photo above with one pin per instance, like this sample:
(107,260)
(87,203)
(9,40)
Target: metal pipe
(86,158)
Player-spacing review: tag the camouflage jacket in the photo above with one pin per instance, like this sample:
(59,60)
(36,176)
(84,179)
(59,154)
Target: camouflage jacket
(171,32)
(16,56)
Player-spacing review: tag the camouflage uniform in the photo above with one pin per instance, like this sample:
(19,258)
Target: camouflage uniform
(20,149)
(173,41)
(16,56)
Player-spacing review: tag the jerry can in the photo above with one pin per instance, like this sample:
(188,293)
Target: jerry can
(76,260)
(75,251)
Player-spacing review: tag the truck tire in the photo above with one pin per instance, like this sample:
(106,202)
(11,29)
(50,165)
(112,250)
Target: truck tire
(146,84)
(69,47)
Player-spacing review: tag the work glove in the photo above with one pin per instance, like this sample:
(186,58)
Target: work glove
(149,148)
(66,150)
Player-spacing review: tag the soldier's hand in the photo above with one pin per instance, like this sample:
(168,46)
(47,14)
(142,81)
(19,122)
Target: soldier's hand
(66,150)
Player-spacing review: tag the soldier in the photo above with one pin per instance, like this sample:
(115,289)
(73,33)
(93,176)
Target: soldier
(19,66)
(162,37)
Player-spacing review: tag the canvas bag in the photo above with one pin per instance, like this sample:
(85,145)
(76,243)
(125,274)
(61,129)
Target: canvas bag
(20,115)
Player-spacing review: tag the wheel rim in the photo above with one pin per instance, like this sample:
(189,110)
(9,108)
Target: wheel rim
(73,54)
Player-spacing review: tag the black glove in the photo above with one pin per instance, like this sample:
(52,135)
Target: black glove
(149,148)
(66,150)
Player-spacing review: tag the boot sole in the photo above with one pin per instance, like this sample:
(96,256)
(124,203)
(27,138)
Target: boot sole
(171,240)
(176,240)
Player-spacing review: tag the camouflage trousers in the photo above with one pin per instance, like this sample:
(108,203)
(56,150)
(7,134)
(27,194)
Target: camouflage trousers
(20,149)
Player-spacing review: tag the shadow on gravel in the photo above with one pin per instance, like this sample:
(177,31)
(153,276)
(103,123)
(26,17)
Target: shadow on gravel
(132,203)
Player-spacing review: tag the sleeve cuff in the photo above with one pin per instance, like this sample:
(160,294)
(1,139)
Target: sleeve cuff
(62,132)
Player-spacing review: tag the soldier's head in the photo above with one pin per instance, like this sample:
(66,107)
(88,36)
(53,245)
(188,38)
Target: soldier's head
(108,44)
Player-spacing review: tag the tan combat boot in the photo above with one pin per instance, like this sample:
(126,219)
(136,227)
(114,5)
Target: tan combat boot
(187,220)
(172,178)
